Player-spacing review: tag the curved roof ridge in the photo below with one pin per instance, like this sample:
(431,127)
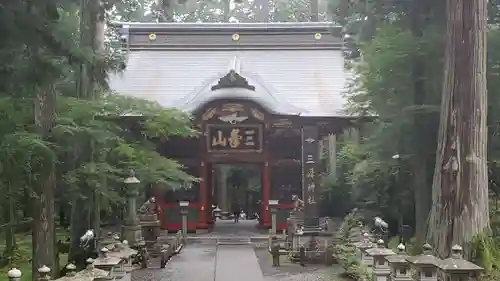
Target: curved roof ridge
(262,95)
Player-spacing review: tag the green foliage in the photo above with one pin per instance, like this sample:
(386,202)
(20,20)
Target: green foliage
(97,137)
(483,251)
(345,252)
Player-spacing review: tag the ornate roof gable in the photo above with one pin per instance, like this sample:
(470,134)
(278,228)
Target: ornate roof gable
(233,80)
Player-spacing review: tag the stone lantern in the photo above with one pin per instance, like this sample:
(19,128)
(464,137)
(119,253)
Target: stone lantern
(14,274)
(104,252)
(44,273)
(381,270)
(424,265)
(273,204)
(455,268)
(70,270)
(364,245)
(132,229)
(125,253)
(107,261)
(91,271)
(400,268)
(217,212)
(184,207)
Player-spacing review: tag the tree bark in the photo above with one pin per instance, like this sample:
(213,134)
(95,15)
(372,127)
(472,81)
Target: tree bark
(421,186)
(460,185)
(43,215)
(261,10)
(10,238)
(314,10)
(168,9)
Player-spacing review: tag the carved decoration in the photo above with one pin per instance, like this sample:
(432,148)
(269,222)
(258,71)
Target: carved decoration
(233,107)
(209,114)
(233,118)
(257,114)
(233,80)
(282,123)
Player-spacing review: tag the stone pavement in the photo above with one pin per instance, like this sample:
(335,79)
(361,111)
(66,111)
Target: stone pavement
(202,261)
(237,262)
(199,262)
(195,262)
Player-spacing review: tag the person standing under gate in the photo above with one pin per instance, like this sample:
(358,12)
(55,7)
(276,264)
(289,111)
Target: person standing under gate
(236,211)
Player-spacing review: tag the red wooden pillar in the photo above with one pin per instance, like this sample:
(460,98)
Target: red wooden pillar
(203,196)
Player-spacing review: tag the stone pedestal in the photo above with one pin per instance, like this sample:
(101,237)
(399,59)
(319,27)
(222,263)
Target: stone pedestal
(133,234)
(311,226)
(297,217)
(315,247)
(150,225)
(150,230)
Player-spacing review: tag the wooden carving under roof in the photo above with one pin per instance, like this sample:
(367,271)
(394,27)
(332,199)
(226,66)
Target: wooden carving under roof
(233,112)
(233,80)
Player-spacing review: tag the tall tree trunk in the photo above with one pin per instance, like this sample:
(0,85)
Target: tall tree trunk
(167,7)
(262,10)
(98,47)
(10,239)
(421,188)
(227,10)
(43,215)
(314,10)
(460,187)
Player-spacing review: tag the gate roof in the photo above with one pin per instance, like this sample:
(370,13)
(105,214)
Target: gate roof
(289,68)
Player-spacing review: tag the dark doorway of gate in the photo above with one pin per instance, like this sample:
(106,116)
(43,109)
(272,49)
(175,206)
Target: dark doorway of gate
(236,194)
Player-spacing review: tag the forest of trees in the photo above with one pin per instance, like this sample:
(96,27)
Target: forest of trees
(422,68)
(64,149)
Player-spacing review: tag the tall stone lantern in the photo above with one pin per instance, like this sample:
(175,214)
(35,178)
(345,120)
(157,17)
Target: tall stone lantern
(184,210)
(132,231)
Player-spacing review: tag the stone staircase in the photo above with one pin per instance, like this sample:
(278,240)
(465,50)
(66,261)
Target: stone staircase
(229,240)
(234,240)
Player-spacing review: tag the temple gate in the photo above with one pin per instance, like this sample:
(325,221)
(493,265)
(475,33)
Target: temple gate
(266,94)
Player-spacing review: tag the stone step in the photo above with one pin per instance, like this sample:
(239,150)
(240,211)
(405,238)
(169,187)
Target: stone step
(253,239)
(234,241)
